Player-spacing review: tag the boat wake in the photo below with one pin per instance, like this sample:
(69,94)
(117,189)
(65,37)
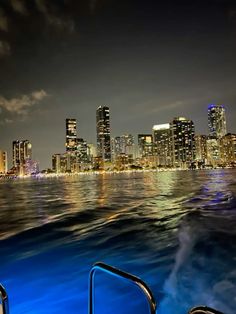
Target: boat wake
(191,281)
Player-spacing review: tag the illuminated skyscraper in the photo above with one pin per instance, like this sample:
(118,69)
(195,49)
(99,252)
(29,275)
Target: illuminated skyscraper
(123,150)
(31,167)
(71,134)
(145,144)
(162,144)
(183,142)
(216,121)
(124,144)
(228,149)
(116,146)
(103,133)
(201,148)
(128,144)
(21,152)
(59,163)
(92,151)
(3,161)
(213,151)
(82,151)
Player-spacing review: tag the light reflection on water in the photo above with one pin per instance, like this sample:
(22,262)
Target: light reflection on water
(176,230)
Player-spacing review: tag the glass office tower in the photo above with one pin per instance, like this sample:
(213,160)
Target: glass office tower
(216,121)
(183,142)
(103,133)
(71,135)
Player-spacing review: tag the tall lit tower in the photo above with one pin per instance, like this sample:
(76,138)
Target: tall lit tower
(201,148)
(124,144)
(22,153)
(128,144)
(163,144)
(71,142)
(145,144)
(183,142)
(216,120)
(103,133)
(228,149)
(3,161)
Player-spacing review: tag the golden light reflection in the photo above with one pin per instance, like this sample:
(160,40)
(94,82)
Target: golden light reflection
(102,189)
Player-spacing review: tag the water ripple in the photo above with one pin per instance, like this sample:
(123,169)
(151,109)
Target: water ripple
(176,230)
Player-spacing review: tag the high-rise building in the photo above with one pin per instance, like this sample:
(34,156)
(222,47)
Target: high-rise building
(116,146)
(127,142)
(3,161)
(201,148)
(228,149)
(71,135)
(82,151)
(216,121)
(213,151)
(162,144)
(183,142)
(123,144)
(59,163)
(92,151)
(103,133)
(145,144)
(22,151)
(123,150)
(31,167)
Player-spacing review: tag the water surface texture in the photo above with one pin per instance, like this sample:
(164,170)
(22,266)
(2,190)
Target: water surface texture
(175,230)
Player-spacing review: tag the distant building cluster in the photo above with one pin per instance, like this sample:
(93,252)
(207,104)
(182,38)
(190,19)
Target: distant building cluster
(169,145)
(219,147)
(177,145)
(78,155)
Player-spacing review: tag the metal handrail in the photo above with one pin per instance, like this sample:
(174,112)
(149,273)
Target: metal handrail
(203,310)
(4,298)
(121,274)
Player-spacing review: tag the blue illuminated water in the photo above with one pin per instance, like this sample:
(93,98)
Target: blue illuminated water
(175,230)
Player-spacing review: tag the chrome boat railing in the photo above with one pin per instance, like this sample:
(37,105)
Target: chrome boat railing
(107,269)
(4,309)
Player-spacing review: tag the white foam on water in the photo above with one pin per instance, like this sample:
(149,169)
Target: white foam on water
(174,299)
(190,287)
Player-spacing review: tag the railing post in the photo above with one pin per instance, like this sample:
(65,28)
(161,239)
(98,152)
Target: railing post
(4,299)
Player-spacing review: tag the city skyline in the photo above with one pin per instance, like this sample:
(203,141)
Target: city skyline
(148,61)
(44,157)
(159,135)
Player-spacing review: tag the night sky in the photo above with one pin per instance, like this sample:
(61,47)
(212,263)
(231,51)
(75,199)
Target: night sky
(148,62)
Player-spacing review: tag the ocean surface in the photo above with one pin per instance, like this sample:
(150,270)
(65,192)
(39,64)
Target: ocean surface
(175,230)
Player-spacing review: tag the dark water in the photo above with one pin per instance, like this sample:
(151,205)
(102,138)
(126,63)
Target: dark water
(175,230)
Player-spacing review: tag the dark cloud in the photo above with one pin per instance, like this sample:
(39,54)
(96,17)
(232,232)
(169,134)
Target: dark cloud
(41,15)
(5,121)
(5,49)
(3,21)
(19,6)
(21,105)
(55,16)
